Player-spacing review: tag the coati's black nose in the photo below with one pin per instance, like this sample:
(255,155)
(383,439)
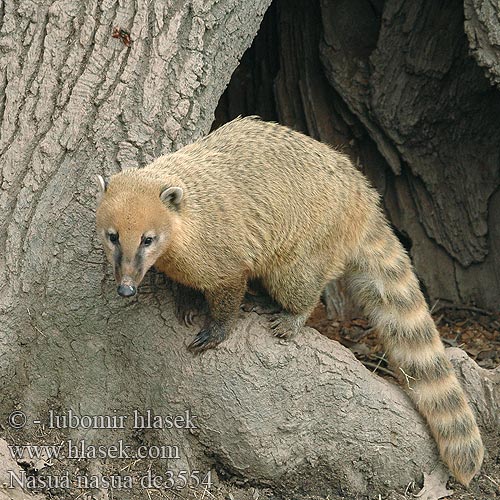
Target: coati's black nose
(127,290)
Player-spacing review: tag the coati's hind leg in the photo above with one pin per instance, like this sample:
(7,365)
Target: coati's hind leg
(298,290)
(189,303)
(224,303)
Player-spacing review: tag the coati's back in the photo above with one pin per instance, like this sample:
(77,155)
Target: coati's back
(255,199)
(277,189)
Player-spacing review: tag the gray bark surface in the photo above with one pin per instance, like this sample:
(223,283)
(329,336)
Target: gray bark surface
(302,415)
(405,73)
(483,32)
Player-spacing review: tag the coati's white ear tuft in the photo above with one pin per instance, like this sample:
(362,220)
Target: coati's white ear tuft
(172,195)
(103,185)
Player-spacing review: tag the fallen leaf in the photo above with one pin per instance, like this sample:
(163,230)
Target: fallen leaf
(435,485)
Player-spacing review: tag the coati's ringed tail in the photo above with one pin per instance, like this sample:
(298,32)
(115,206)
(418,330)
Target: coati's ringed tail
(381,277)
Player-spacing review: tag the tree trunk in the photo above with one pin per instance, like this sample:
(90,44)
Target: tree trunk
(77,102)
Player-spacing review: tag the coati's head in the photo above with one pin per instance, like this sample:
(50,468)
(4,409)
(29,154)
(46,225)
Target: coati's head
(136,221)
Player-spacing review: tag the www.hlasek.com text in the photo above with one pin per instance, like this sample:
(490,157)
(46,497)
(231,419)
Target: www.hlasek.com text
(81,450)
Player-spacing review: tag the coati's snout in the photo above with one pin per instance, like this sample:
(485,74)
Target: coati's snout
(127,287)
(127,290)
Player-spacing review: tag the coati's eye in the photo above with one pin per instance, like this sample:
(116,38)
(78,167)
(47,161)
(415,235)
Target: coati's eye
(113,237)
(146,241)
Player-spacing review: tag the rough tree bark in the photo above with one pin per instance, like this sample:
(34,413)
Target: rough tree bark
(76,102)
(407,77)
(482,29)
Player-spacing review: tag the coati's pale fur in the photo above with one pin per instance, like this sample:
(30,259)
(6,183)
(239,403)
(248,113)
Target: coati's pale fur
(258,200)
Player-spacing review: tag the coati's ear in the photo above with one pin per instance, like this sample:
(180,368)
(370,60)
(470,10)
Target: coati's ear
(172,195)
(103,185)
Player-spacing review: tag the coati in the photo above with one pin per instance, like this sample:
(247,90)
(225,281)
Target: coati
(256,200)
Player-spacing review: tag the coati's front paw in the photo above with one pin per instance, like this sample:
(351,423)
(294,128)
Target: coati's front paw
(208,338)
(286,326)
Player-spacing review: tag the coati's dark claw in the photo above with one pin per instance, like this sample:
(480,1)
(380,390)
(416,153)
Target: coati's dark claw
(185,316)
(260,304)
(207,338)
(286,326)
(189,318)
(189,304)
